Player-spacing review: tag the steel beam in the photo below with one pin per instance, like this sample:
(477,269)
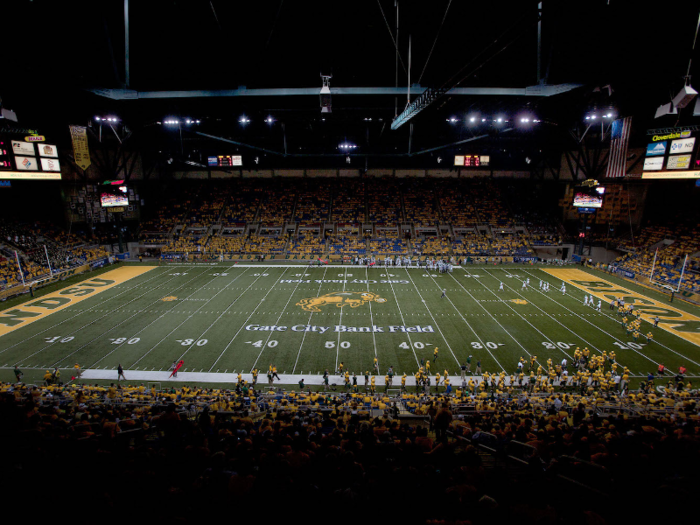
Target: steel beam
(529,91)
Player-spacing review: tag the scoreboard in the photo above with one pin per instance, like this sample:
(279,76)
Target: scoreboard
(225,161)
(672,153)
(472,161)
(28,157)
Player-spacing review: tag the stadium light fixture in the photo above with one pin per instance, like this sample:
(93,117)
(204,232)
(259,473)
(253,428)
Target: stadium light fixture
(244,120)
(109,118)
(269,120)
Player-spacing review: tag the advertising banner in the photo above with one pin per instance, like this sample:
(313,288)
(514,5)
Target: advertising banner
(678,162)
(682,146)
(653,164)
(23,148)
(47,150)
(50,165)
(27,163)
(656,149)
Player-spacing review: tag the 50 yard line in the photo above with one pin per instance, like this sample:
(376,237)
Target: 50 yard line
(340,322)
(278,320)
(308,322)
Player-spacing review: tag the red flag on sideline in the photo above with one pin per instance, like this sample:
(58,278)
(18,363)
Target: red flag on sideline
(179,365)
(372,264)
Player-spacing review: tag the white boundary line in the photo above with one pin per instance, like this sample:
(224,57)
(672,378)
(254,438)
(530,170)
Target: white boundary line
(156,320)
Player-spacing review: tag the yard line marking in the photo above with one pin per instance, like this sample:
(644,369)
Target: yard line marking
(277,322)
(371,318)
(191,315)
(599,328)
(251,315)
(643,316)
(127,319)
(220,316)
(308,322)
(93,308)
(340,322)
(433,318)
(404,322)
(483,345)
(521,316)
(85,326)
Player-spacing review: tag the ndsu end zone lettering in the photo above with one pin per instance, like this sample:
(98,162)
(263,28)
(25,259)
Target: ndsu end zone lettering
(678,322)
(31,311)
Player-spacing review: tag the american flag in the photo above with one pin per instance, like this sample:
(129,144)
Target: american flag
(617,161)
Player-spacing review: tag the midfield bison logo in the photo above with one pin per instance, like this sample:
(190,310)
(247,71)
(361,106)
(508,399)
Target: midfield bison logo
(340,299)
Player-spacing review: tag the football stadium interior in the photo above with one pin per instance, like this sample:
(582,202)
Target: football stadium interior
(236,238)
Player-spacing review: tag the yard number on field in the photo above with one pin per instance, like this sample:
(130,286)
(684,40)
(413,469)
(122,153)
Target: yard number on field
(260,343)
(121,340)
(58,339)
(417,345)
(331,344)
(190,342)
(490,345)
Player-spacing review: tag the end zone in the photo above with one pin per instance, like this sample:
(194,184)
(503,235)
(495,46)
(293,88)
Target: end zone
(671,319)
(34,310)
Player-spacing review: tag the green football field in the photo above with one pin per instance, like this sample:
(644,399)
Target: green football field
(223,319)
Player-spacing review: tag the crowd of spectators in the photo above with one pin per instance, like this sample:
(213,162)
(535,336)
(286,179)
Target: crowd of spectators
(438,246)
(346,245)
(349,202)
(471,243)
(313,205)
(420,204)
(667,259)
(307,244)
(570,457)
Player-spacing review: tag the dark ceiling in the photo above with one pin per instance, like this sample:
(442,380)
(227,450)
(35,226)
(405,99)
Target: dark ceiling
(53,51)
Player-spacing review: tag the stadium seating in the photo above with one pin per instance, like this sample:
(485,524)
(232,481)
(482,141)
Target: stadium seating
(313,204)
(482,454)
(349,202)
(346,245)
